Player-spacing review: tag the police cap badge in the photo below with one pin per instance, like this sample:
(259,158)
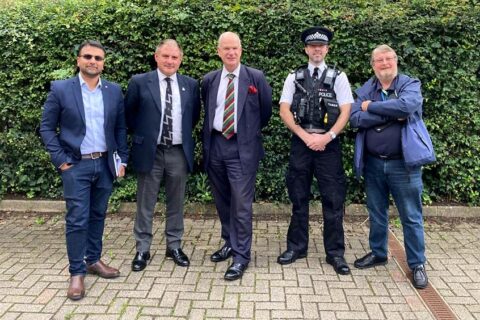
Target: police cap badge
(317,35)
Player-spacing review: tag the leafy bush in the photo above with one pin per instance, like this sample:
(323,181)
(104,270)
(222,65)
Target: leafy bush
(437,41)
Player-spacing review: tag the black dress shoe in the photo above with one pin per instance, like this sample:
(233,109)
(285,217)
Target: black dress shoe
(419,277)
(339,265)
(290,256)
(140,261)
(178,257)
(235,271)
(221,255)
(370,260)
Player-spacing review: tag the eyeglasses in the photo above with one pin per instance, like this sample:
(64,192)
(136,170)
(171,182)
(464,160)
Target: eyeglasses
(89,57)
(389,59)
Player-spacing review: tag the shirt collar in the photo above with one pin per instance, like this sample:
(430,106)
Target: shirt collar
(320,67)
(236,72)
(162,77)
(393,85)
(82,82)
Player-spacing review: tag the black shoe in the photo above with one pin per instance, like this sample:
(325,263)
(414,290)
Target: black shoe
(221,255)
(339,265)
(235,271)
(419,277)
(178,257)
(370,260)
(290,256)
(140,261)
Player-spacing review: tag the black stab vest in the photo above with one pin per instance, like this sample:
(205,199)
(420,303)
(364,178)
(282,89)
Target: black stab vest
(314,106)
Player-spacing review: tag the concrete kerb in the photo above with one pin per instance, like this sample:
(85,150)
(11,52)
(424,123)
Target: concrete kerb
(259,209)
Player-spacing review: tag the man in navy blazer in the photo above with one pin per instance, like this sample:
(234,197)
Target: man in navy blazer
(162,108)
(238,104)
(89,113)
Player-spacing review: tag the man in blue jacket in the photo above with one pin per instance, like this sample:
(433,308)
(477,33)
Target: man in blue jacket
(391,146)
(83,128)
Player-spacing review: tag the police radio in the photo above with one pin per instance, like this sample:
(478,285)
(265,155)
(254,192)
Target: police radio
(303,105)
(330,76)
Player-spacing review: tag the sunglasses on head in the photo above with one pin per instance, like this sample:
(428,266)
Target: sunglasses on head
(89,56)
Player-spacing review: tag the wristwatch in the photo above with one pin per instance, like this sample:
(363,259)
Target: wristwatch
(332,134)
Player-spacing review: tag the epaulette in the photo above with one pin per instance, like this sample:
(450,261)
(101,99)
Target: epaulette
(334,67)
(302,67)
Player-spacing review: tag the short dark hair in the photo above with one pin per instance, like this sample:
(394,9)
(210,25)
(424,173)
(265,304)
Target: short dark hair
(91,43)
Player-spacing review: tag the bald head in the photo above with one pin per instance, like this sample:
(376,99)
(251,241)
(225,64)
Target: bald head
(229,50)
(229,36)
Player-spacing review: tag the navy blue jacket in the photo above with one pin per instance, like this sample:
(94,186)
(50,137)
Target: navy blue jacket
(416,143)
(64,109)
(144,112)
(254,109)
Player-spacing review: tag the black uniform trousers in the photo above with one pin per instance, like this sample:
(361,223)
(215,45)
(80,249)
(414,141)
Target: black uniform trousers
(328,169)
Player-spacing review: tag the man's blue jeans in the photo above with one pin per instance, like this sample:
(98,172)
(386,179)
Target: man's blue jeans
(383,177)
(86,188)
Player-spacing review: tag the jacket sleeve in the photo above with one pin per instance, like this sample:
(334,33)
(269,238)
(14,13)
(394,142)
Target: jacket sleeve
(364,119)
(48,128)
(265,92)
(196,104)
(409,100)
(131,107)
(121,129)
(204,90)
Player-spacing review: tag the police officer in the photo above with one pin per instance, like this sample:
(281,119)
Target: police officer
(315,106)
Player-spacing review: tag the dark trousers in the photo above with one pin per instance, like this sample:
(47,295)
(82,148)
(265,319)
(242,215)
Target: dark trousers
(170,165)
(327,168)
(233,192)
(86,189)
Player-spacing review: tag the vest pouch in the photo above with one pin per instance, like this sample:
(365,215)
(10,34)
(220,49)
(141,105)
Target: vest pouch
(333,111)
(317,115)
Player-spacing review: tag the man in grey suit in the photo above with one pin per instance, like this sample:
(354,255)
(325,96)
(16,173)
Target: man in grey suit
(238,104)
(162,107)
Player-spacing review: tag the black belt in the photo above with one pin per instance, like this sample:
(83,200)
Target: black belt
(386,157)
(94,155)
(164,146)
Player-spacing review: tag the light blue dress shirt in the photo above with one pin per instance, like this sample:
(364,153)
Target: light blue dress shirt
(94,140)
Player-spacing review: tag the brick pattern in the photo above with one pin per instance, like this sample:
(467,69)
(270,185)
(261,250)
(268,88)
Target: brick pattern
(454,264)
(34,275)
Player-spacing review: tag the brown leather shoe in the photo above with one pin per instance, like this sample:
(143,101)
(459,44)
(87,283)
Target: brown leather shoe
(76,289)
(101,269)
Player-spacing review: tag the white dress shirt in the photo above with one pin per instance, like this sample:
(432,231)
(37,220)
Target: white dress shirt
(222,90)
(342,86)
(176,106)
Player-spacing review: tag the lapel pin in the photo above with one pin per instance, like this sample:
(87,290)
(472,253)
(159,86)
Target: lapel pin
(183,88)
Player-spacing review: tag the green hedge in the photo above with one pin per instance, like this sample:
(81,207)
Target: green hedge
(437,41)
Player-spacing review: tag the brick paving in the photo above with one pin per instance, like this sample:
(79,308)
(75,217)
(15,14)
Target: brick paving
(34,275)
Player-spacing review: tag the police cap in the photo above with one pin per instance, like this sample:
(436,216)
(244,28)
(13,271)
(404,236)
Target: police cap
(317,35)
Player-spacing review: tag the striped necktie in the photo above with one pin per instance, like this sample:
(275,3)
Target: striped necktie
(228,128)
(167,117)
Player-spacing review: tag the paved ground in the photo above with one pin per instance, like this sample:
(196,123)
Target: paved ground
(34,275)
